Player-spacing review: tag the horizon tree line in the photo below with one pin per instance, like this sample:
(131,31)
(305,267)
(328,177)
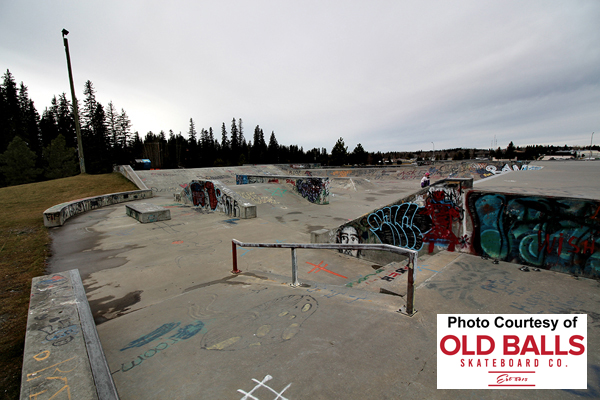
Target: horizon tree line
(35,148)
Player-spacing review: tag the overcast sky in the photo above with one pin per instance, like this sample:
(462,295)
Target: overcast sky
(391,75)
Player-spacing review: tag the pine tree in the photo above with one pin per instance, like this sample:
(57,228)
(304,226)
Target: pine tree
(11,112)
(111,125)
(65,122)
(17,163)
(359,155)
(89,108)
(192,159)
(273,150)
(61,160)
(225,146)
(339,153)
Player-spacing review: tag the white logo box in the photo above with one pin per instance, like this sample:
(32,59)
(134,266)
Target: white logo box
(512,351)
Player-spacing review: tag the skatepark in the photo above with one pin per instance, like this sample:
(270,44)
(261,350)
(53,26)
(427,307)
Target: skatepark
(175,323)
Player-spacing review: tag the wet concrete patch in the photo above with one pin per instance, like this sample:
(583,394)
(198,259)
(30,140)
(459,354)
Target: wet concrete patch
(109,307)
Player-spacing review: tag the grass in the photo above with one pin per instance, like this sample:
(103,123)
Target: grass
(24,248)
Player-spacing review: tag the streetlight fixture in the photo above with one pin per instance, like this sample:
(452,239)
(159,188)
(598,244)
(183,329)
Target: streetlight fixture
(75,108)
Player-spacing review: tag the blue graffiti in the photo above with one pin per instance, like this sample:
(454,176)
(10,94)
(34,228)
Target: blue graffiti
(155,334)
(551,233)
(399,225)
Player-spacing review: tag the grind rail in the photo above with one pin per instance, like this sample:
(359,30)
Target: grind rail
(411,254)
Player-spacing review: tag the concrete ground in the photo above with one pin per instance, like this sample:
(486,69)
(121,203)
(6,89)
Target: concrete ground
(175,324)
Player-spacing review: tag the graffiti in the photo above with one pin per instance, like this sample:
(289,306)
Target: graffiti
(230,206)
(400,225)
(60,331)
(183,333)
(340,174)
(552,233)
(444,207)
(366,278)
(277,192)
(50,283)
(394,274)
(348,235)
(58,214)
(261,384)
(322,268)
(205,195)
(315,190)
(257,198)
(275,321)
(55,378)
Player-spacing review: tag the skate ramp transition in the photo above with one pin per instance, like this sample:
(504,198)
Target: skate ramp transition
(167,182)
(549,232)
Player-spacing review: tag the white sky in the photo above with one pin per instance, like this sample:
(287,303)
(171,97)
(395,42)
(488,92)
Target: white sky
(392,75)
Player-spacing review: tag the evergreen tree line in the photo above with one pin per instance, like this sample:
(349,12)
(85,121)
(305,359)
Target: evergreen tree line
(34,148)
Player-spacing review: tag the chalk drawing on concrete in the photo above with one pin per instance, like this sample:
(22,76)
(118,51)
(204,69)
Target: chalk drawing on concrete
(320,267)
(275,321)
(261,385)
(183,333)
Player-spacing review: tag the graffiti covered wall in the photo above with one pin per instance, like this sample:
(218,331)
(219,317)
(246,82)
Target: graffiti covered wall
(559,234)
(431,218)
(58,214)
(212,196)
(313,189)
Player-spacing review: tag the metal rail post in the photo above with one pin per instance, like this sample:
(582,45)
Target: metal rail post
(410,296)
(294,269)
(235,269)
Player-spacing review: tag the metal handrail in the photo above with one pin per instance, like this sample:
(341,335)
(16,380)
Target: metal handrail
(412,263)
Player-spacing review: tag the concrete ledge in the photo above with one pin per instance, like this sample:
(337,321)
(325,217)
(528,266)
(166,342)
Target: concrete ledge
(146,213)
(313,188)
(320,236)
(214,196)
(58,214)
(63,357)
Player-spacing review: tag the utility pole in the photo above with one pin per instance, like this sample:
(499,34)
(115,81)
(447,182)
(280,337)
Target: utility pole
(75,108)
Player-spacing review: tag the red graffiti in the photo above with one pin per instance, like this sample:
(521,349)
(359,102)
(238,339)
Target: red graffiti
(442,214)
(584,247)
(213,194)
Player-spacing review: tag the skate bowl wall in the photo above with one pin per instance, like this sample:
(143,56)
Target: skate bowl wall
(552,233)
(214,196)
(428,220)
(438,170)
(312,188)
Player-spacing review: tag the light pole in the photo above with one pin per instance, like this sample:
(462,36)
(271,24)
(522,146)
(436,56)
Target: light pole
(591,140)
(75,108)
(433,152)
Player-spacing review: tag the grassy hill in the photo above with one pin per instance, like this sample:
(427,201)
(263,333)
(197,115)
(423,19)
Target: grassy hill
(24,248)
